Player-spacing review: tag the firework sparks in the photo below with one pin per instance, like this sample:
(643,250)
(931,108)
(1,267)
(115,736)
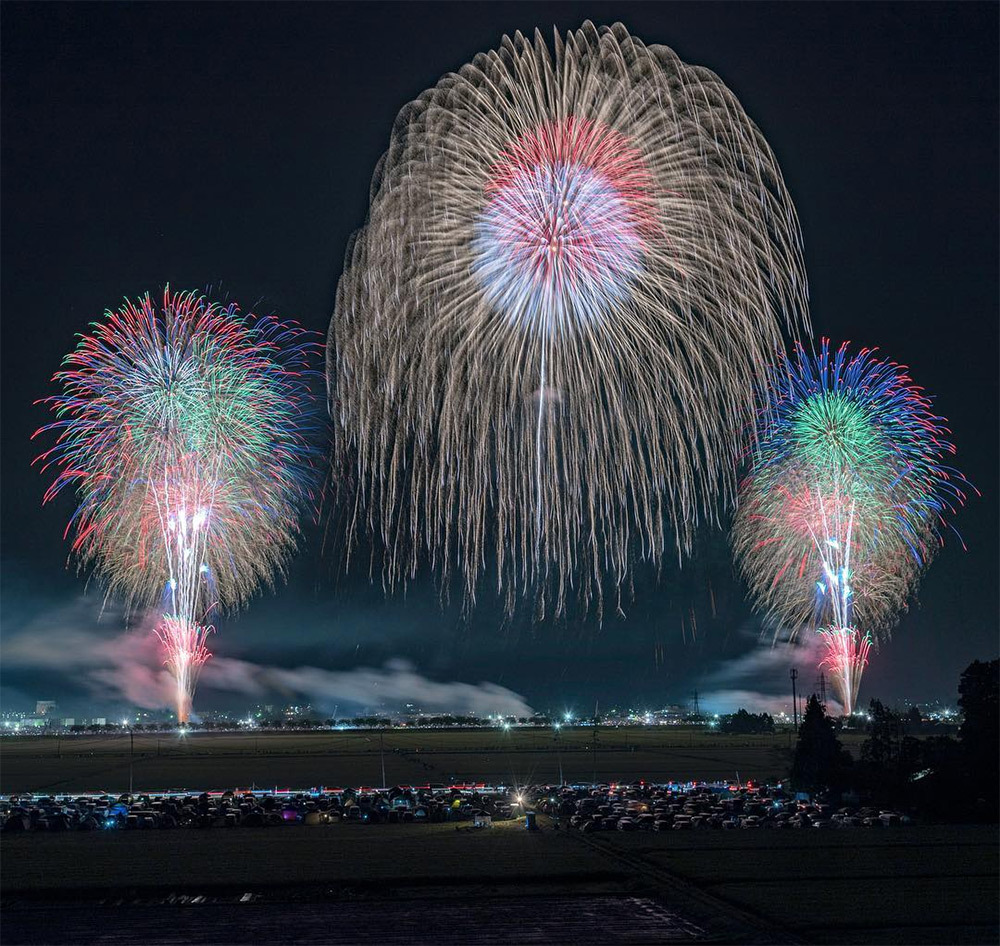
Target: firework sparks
(548,337)
(844,503)
(845,658)
(184,431)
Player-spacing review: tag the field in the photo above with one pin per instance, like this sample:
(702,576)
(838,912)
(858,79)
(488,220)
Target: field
(208,761)
(413,884)
(410,884)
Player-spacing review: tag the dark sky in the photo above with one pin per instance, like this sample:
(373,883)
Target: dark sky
(232,146)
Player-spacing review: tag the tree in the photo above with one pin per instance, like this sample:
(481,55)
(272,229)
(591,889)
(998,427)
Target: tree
(979,699)
(743,723)
(881,748)
(820,761)
(979,735)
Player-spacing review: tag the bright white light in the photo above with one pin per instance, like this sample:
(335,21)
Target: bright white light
(568,717)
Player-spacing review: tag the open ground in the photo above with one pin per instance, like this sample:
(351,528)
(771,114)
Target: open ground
(408,884)
(414,883)
(202,761)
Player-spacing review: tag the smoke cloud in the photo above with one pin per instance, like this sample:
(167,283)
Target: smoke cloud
(127,666)
(737,682)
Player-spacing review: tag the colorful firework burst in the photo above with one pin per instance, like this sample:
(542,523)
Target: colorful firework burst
(845,658)
(845,500)
(186,431)
(549,335)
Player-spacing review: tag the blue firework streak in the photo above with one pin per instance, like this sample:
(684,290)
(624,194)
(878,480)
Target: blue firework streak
(847,494)
(189,433)
(859,422)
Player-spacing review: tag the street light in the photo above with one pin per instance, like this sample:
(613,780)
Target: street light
(131,752)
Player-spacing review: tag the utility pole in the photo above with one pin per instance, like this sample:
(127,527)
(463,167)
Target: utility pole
(793,673)
(562,781)
(821,683)
(594,746)
(131,756)
(381,752)
(697,706)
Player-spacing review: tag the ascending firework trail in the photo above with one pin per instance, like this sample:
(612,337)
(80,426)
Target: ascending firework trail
(548,336)
(844,501)
(186,431)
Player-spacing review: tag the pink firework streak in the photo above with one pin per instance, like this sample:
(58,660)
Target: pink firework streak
(846,656)
(185,653)
(187,432)
(563,233)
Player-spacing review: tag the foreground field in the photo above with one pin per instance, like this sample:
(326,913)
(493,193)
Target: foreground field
(912,885)
(200,761)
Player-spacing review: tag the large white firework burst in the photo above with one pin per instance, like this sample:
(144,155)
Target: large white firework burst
(549,335)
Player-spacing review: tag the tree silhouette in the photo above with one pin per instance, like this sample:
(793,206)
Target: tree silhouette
(914,720)
(979,735)
(820,761)
(743,723)
(885,729)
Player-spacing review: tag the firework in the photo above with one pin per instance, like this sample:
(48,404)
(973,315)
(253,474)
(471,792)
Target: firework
(185,432)
(845,658)
(845,499)
(548,337)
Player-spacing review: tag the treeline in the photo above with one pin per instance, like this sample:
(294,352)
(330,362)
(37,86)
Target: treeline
(742,723)
(938,777)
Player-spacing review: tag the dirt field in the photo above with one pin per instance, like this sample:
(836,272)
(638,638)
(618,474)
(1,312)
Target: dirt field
(200,761)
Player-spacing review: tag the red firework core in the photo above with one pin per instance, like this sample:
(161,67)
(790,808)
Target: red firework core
(582,143)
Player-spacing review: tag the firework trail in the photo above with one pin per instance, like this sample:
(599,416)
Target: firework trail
(845,658)
(548,337)
(844,502)
(185,431)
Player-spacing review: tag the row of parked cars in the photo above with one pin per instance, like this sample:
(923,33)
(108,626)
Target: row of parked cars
(659,808)
(247,809)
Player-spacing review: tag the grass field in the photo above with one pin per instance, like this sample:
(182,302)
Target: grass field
(200,761)
(922,884)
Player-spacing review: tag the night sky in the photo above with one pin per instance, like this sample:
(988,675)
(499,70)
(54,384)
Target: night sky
(231,147)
